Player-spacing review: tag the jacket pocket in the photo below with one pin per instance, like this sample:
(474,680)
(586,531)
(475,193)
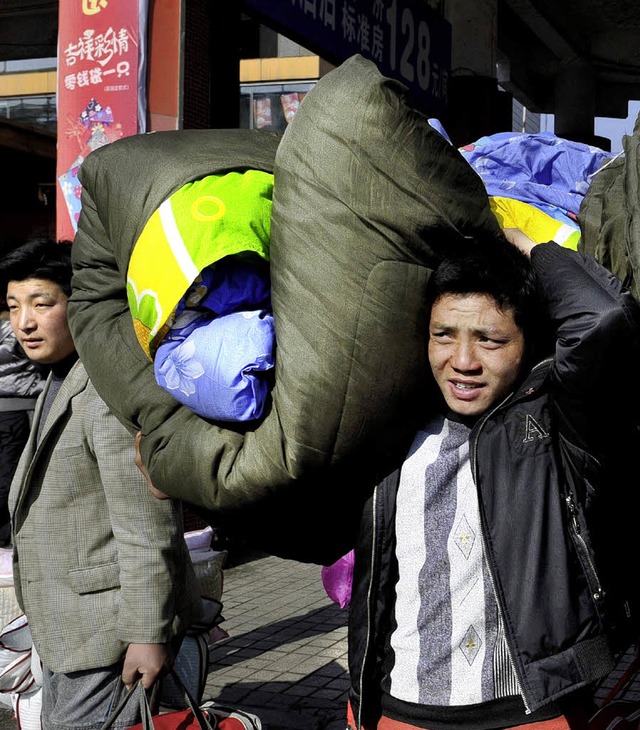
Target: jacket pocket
(66,452)
(92,580)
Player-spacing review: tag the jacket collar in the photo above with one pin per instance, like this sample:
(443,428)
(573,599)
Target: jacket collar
(534,380)
(74,383)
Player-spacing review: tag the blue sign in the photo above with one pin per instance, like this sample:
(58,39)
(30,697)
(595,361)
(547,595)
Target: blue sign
(406,39)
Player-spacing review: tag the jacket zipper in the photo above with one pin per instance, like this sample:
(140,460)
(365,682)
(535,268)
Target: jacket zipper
(597,592)
(374,504)
(474,470)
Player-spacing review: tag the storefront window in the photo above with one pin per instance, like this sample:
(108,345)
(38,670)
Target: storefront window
(31,64)
(34,109)
(38,111)
(270,107)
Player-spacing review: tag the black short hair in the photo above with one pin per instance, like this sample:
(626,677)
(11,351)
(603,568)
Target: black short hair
(37,258)
(493,267)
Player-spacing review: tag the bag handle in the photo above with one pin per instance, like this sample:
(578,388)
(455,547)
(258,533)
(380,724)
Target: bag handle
(117,711)
(201,717)
(145,709)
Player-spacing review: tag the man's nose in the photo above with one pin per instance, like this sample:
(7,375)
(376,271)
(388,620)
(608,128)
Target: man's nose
(26,320)
(464,357)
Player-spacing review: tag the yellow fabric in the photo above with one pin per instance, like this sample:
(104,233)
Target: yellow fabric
(539,226)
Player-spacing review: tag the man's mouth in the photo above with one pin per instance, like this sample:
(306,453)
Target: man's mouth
(463,391)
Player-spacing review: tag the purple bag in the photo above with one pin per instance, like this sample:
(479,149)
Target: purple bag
(337,579)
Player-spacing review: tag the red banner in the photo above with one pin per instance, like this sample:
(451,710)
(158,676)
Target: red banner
(100,93)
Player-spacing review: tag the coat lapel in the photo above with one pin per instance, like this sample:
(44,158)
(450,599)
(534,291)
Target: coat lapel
(73,384)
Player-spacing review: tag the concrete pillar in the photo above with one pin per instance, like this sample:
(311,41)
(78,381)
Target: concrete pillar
(165,63)
(474,33)
(476,106)
(224,64)
(575,100)
(575,103)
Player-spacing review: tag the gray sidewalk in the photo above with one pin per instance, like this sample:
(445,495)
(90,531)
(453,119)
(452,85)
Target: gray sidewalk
(286,655)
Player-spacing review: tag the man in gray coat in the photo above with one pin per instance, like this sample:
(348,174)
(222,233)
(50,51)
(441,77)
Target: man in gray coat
(100,567)
(21,381)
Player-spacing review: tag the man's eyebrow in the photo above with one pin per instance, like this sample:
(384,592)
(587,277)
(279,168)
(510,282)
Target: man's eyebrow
(32,295)
(440,325)
(492,332)
(489,331)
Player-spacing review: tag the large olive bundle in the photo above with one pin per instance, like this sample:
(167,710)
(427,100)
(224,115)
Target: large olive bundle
(367,196)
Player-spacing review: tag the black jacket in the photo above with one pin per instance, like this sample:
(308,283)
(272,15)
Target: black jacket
(551,465)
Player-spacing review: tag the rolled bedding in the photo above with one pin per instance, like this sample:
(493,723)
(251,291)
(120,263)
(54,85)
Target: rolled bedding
(199,294)
(366,198)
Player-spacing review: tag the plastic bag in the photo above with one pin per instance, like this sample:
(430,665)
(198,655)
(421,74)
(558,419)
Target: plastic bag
(337,579)
(20,674)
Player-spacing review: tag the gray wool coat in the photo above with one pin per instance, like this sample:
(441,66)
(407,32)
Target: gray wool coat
(98,562)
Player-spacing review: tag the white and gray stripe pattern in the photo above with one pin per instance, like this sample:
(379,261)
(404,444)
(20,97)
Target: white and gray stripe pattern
(504,677)
(446,645)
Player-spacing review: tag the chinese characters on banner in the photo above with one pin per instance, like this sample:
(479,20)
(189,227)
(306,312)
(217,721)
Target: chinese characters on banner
(100,57)
(408,40)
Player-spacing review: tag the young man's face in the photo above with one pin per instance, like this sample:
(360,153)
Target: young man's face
(38,314)
(476,351)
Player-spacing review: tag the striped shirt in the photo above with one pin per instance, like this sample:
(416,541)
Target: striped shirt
(448,644)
